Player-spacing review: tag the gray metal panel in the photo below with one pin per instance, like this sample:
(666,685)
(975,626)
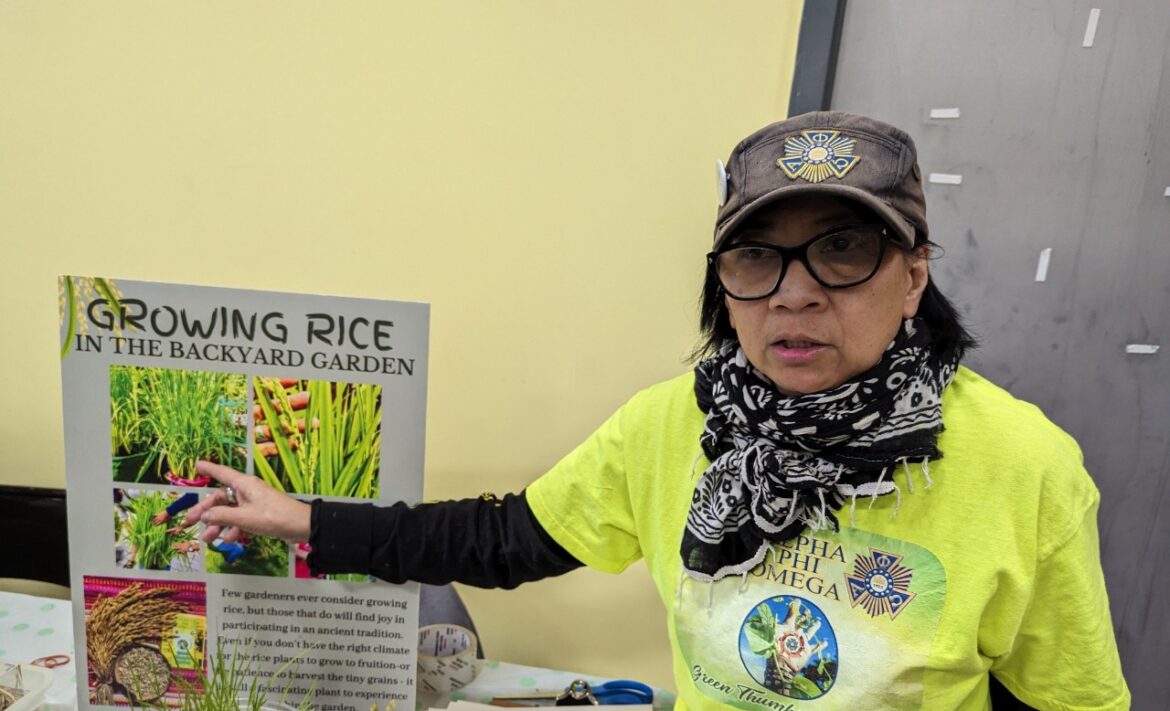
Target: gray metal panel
(1062,147)
(816,56)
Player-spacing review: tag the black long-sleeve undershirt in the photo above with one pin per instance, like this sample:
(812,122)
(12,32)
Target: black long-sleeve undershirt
(485,542)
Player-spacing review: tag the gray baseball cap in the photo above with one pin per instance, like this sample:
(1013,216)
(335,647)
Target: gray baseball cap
(827,152)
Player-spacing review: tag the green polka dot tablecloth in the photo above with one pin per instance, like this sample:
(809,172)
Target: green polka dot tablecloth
(34,628)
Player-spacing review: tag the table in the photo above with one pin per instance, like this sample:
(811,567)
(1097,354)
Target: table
(32,627)
(503,678)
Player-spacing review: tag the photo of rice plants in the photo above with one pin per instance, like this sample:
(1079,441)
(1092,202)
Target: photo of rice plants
(145,640)
(248,555)
(162,421)
(151,532)
(317,437)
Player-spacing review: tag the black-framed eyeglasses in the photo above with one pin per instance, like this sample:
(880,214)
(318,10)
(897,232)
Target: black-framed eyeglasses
(844,256)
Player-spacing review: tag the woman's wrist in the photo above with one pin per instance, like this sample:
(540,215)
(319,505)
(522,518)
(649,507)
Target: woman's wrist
(299,518)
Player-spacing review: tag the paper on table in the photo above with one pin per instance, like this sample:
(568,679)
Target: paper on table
(252,363)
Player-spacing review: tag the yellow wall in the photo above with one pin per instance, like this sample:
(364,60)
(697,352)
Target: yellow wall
(540,172)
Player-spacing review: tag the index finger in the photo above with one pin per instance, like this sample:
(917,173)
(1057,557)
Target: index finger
(222,474)
(216,498)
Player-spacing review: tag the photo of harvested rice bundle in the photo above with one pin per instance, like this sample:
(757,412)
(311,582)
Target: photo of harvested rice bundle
(162,421)
(248,555)
(151,531)
(145,640)
(317,437)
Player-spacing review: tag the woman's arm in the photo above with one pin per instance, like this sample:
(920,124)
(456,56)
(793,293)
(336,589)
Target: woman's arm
(486,542)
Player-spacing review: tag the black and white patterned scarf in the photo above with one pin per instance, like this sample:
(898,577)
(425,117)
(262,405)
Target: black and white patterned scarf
(779,463)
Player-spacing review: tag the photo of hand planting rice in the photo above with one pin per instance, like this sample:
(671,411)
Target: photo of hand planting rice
(145,640)
(151,531)
(162,421)
(318,437)
(246,554)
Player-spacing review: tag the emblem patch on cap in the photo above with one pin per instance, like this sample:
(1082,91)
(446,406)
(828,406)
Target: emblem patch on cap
(816,155)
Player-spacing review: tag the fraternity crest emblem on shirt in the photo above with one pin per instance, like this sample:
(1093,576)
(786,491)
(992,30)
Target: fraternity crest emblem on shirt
(817,154)
(880,583)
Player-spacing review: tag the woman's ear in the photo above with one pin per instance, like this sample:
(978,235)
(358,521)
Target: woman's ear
(918,265)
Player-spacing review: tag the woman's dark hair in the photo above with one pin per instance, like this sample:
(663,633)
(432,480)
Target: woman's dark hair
(935,309)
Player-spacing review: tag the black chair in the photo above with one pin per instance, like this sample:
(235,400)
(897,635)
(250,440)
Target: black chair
(34,557)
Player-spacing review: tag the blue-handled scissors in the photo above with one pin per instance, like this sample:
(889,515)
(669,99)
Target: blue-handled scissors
(621,691)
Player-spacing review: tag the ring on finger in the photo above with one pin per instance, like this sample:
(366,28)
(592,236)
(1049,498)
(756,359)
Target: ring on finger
(230,493)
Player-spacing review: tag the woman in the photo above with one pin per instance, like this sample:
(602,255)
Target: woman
(832,508)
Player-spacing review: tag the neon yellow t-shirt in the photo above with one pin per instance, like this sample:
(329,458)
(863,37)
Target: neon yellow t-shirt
(994,566)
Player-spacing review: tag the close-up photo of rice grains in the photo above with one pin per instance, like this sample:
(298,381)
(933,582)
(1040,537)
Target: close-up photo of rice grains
(318,437)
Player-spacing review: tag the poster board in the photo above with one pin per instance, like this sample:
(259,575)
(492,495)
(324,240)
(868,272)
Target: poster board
(323,397)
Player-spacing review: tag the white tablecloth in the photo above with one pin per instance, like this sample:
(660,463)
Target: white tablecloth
(34,627)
